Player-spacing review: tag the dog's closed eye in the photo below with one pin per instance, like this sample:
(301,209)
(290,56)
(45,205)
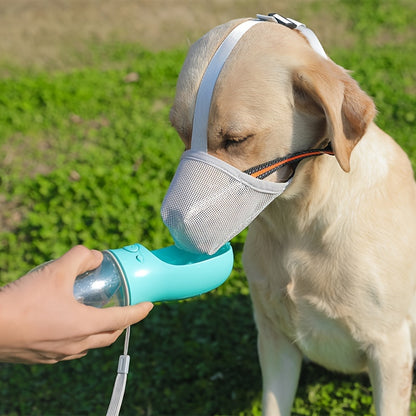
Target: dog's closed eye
(229,140)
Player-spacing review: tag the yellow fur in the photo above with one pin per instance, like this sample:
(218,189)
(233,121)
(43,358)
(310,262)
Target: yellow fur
(331,263)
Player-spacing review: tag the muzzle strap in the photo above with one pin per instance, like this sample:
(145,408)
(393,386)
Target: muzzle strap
(209,79)
(265,169)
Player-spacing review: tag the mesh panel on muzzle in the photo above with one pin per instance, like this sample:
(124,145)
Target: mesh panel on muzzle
(206,206)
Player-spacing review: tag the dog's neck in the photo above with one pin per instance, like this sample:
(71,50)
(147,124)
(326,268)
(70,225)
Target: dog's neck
(320,183)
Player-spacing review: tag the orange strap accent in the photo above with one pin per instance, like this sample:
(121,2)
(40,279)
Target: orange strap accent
(266,169)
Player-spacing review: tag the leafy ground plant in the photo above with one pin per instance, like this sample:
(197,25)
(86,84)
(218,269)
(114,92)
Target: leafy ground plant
(87,154)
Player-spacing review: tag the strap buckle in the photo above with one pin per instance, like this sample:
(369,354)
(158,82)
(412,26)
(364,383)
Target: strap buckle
(277,18)
(294,24)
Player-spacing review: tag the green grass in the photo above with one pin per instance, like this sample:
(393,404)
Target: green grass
(86,157)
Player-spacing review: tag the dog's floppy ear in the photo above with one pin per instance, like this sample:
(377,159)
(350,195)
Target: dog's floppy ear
(327,88)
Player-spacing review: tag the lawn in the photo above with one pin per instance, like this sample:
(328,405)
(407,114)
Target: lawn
(86,156)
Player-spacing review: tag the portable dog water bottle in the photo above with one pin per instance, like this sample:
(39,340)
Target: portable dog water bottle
(134,274)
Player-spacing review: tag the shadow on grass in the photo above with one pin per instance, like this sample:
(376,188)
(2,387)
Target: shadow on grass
(196,357)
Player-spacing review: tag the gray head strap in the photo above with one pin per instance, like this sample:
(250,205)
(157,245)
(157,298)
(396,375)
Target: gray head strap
(206,88)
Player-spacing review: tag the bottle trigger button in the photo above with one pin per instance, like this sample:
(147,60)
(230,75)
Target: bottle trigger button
(134,248)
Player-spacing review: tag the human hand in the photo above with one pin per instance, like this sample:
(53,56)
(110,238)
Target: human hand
(41,322)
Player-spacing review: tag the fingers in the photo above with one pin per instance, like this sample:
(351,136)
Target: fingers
(117,318)
(81,348)
(64,350)
(91,342)
(73,357)
(54,358)
(103,328)
(129,315)
(98,341)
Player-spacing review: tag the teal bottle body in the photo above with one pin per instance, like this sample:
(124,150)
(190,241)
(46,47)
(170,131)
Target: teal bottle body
(134,274)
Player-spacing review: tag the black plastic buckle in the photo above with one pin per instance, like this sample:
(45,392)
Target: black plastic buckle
(283,20)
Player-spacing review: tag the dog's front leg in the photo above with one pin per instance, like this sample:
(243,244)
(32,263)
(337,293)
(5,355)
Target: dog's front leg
(280,362)
(390,368)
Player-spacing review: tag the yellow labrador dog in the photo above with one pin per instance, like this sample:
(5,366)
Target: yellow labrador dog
(331,257)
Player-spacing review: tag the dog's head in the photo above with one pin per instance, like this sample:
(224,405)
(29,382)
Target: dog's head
(275,95)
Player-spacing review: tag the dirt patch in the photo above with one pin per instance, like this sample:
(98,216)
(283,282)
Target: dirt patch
(14,152)
(12,213)
(48,33)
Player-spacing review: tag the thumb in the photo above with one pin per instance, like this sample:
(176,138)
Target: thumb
(80,259)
